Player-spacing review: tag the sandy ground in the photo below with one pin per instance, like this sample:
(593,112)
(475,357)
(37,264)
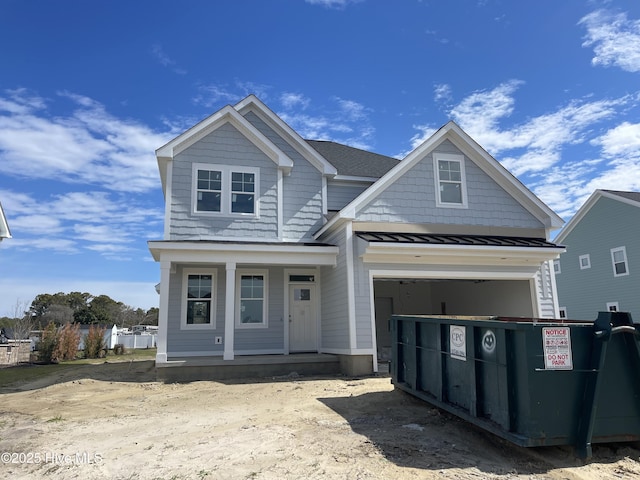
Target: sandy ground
(115,421)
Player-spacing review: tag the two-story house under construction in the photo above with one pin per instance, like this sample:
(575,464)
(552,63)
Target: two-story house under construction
(283,254)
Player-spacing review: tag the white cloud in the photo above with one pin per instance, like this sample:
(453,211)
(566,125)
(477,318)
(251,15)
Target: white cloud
(158,52)
(615,39)
(338,4)
(539,150)
(70,222)
(87,146)
(621,140)
(294,100)
(345,122)
(442,93)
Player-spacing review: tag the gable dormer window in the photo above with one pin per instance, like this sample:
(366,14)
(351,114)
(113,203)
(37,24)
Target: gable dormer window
(225,190)
(451,186)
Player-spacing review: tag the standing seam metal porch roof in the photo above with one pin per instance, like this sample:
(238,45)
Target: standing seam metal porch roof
(447,239)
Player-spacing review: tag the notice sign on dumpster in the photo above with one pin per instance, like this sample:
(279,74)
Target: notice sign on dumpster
(557,348)
(458,342)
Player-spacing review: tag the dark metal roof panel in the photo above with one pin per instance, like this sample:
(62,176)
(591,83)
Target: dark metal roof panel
(447,239)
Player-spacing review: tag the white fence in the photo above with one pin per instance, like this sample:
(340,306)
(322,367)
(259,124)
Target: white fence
(137,341)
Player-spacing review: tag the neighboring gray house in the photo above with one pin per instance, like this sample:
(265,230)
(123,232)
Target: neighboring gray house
(277,249)
(596,273)
(4,226)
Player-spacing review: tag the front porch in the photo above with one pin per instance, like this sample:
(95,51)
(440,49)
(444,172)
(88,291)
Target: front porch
(188,369)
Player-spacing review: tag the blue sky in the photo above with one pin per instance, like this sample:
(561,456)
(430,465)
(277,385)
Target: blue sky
(89,90)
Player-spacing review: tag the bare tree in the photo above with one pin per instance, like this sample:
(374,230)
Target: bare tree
(22,325)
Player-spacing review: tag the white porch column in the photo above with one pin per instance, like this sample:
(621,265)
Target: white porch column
(229,311)
(163,315)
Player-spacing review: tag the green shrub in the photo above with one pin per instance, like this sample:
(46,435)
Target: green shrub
(68,341)
(94,345)
(48,343)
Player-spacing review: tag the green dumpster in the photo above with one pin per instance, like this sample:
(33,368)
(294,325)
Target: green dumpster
(534,382)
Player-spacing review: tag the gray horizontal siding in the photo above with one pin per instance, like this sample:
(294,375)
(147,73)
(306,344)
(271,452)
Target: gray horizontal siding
(335,315)
(340,195)
(412,199)
(608,224)
(179,340)
(271,338)
(224,146)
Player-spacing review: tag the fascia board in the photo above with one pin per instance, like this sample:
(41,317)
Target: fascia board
(620,199)
(579,215)
(382,252)
(253,104)
(503,177)
(239,253)
(4,225)
(211,123)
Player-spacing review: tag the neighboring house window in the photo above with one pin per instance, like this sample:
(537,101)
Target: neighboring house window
(556,266)
(619,260)
(450,180)
(198,310)
(585,261)
(563,312)
(226,190)
(613,307)
(252,299)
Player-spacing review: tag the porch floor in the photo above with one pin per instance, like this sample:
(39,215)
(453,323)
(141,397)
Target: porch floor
(245,366)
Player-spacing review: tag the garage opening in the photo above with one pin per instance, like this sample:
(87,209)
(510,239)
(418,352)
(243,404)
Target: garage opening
(512,298)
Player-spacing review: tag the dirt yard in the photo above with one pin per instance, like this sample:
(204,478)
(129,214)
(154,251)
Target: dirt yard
(115,421)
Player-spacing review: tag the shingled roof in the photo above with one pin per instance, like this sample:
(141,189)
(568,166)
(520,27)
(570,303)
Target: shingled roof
(635,196)
(350,161)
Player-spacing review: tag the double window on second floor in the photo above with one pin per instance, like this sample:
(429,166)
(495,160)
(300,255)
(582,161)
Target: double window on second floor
(225,190)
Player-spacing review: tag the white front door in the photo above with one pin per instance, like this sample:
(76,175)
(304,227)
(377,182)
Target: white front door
(303,328)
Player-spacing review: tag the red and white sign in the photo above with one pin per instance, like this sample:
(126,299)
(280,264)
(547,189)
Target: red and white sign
(556,342)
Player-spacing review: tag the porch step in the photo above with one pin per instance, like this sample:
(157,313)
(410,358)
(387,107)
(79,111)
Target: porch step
(254,366)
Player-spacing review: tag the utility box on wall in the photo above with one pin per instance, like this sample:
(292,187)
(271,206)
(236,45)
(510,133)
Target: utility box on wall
(534,382)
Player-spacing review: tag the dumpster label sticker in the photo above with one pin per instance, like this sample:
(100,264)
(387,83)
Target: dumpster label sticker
(489,342)
(458,342)
(557,348)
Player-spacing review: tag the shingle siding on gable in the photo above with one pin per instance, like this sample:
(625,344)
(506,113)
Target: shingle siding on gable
(412,199)
(608,224)
(225,146)
(302,210)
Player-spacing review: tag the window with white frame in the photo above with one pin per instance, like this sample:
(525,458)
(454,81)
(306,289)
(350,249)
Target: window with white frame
(556,266)
(225,190)
(585,261)
(251,307)
(613,307)
(198,306)
(450,180)
(619,261)
(563,312)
